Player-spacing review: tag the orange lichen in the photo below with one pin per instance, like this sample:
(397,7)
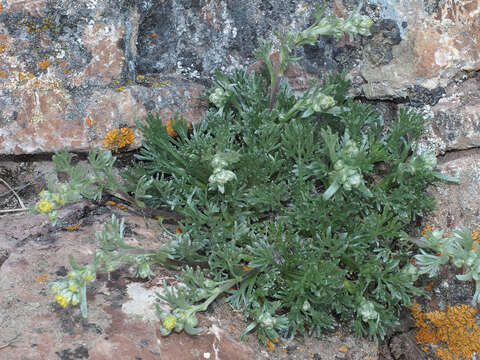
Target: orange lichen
(21,77)
(455,331)
(152,36)
(246,267)
(429,286)
(122,207)
(2,48)
(42,277)
(89,122)
(475,238)
(43,64)
(178,230)
(476,235)
(270,345)
(169,126)
(343,349)
(74,227)
(116,139)
(427,229)
(3,75)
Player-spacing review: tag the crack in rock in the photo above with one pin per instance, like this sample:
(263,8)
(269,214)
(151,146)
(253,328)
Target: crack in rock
(4,254)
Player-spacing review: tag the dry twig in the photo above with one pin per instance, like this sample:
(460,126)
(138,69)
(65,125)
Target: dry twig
(23,207)
(9,342)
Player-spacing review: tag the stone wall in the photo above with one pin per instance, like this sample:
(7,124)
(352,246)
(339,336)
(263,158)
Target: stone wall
(72,70)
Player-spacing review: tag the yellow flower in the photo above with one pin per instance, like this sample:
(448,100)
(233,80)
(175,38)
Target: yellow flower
(88,277)
(58,199)
(44,206)
(62,300)
(72,287)
(169,322)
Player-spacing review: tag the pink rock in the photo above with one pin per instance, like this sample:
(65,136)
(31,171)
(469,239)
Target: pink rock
(41,329)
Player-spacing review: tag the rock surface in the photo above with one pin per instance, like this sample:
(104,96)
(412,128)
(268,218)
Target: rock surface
(122,321)
(458,205)
(72,70)
(36,327)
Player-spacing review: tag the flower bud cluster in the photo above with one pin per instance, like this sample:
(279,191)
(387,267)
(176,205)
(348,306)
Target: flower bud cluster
(317,103)
(67,290)
(220,175)
(426,161)
(367,310)
(219,97)
(355,24)
(411,271)
(178,320)
(51,200)
(348,175)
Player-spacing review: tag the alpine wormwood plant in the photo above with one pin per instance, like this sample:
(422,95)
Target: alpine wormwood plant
(295,206)
(438,249)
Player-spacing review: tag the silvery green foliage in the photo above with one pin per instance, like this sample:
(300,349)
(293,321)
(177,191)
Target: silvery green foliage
(112,253)
(87,181)
(439,249)
(323,25)
(296,207)
(193,294)
(310,209)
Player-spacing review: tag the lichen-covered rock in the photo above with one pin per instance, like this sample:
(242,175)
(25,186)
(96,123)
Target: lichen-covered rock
(122,321)
(34,326)
(458,205)
(67,64)
(438,41)
(67,76)
(455,120)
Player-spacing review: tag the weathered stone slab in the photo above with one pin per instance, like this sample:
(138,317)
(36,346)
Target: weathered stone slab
(457,204)
(455,120)
(437,43)
(41,329)
(66,76)
(65,64)
(122,321)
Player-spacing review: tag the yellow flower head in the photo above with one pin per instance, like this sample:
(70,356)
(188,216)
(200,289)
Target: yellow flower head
(72,288)
(88,277)
(58,199)
(169,322)
(62,300)
(116,139)
(44,206)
